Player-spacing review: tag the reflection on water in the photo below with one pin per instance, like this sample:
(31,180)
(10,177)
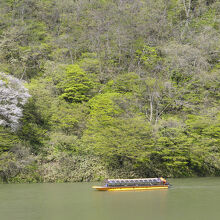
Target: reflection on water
(191,199)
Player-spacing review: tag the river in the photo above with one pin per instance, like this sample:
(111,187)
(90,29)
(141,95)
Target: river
(188,199)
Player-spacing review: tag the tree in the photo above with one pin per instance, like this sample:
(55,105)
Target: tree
(8,139)
(77,86)
(115,138)
(13,96)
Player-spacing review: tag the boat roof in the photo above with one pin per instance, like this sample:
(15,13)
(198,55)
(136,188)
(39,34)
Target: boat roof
(142,179)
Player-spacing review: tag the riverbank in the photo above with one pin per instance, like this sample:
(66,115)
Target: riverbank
(20,166)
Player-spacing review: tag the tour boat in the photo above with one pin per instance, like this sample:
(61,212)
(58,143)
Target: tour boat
(133,184)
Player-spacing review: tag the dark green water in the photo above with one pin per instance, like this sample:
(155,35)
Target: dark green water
(189,199)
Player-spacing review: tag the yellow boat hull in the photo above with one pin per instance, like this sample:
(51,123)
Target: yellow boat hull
(129,188)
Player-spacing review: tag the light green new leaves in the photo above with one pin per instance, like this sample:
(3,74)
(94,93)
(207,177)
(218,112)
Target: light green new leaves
(77,85)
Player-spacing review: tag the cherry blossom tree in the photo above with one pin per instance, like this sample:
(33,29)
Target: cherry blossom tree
(13,95)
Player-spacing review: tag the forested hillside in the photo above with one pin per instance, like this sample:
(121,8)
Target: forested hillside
(91,89)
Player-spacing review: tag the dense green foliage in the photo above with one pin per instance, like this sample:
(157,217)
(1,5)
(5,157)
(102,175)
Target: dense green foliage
(119,89)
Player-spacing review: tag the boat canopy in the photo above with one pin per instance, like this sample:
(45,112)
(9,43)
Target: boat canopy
(135,180)
(145,181)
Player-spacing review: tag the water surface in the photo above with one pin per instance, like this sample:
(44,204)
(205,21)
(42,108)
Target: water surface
(188,199)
